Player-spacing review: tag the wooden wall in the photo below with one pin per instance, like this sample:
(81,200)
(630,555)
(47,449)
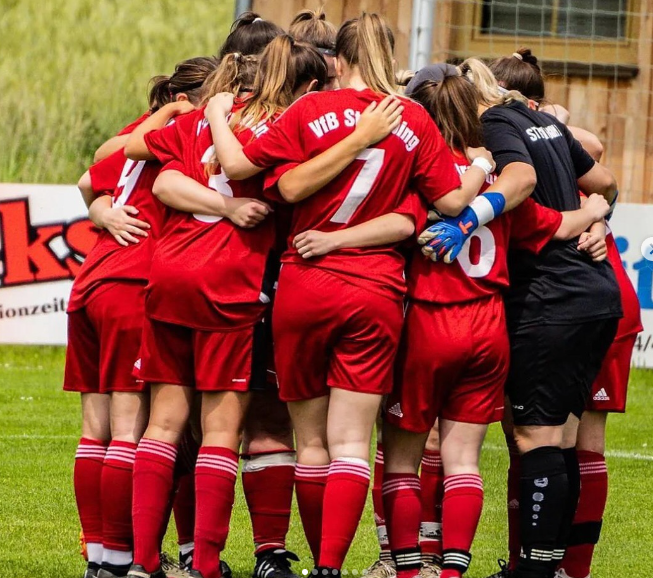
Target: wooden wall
(620,112)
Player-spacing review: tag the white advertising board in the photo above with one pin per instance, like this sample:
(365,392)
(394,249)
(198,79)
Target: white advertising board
(44,237)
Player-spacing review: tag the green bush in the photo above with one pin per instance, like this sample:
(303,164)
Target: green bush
(76,71)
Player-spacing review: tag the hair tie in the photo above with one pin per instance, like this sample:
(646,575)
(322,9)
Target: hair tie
(257,19)
(518,56)
(237,56)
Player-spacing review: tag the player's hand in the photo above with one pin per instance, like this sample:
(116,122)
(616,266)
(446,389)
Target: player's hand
(594,245)
(314,243)
(443,240)
(123,225)
(378,120)
(220,105)
(481,153)
(597,206)
(246,213)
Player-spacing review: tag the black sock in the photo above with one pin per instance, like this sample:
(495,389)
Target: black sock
(544,490)
(573,477)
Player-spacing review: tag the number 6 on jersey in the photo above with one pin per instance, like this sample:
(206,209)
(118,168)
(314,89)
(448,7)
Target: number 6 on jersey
(362,185)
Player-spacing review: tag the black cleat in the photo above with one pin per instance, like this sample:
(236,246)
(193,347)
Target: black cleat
(186,563)
(92,570)
(113,571)
(225,570)
(275,564)
(503,572)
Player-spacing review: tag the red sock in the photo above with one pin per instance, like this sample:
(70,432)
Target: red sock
(153,486)
(344,500)
(310,483)
(89,463)
(432,482)
(402,501)
(377,500)
(215,482)
(117,483)
(587,522)
(461,510)
(514,476)
(268,483)
(184,509)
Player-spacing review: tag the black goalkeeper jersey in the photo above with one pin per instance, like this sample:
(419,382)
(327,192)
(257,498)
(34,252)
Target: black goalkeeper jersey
(560,285)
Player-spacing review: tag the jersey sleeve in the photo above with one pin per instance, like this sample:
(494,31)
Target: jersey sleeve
(582,160)
(175,166)
(412,205)
(130,127)
(532,226)
(105,174)
(167,144)
(504,141)
(283,142)
(271,181)
(435,171)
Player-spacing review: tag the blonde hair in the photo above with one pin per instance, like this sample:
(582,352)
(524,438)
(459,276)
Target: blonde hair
(364,42)
(312,26)
(285,65)
(235,73)
(490,93)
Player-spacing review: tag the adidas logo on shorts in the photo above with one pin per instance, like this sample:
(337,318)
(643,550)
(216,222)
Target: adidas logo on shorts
(396,410)
(601,395)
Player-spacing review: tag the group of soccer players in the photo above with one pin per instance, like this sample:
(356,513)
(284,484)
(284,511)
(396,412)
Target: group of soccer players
(287,244)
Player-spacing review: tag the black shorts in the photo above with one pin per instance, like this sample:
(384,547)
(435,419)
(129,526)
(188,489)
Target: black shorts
(262,364)
(552,368)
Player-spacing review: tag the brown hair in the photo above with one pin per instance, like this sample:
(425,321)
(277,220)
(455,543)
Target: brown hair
(249,34)
(236,73)
(521,72)
(188,77)
(453,105)
(364,42)
(284,67)
(312,26)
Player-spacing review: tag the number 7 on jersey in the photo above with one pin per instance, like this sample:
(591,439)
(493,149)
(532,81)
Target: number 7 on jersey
(362,185)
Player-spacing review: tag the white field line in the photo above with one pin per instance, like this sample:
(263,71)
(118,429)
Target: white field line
(620,454)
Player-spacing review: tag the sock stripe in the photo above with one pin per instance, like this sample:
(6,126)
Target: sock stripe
(217,463)
(90,452)
(157,448)
(433,462)
(401,485)
(463,481)
(342,467)
(378,458)
(305,472)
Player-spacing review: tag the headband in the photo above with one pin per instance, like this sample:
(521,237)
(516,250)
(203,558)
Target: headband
(326,51)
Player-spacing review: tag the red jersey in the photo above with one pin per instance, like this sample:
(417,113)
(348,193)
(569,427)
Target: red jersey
(415,156)
(631,322)
(481,268)
(207,273)
(129,183)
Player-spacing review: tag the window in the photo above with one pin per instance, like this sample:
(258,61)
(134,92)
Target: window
(597,33)
(566,18)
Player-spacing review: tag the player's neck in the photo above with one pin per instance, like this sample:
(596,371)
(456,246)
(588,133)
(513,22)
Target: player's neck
(353,80)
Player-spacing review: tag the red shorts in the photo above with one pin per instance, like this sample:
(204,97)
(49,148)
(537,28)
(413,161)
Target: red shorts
(205,360)
(611,385)
(104,338)
(329,333)
(452,363)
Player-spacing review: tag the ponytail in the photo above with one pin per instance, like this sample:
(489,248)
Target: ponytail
(236,73)
(311,26)
(285,66)
(364,42)
(188,78)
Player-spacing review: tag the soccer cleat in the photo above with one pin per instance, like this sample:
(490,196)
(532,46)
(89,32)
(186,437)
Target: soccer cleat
(112,571)
(430,570)
(225,570)
(275,564)
(381,569)
(137,571)
(562,574)
(92,570)
(186,563)
(503,572)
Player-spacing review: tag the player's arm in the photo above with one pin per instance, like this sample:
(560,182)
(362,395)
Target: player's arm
(384,230)
(593,242)
(376,122)
(136,147)
(85,187)
(175,189)
(109,147)
(574,223)
(590,142)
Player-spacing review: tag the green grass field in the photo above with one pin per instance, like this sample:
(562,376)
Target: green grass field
(38,520)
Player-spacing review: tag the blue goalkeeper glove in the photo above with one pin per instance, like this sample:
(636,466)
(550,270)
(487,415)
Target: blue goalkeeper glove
(444,240)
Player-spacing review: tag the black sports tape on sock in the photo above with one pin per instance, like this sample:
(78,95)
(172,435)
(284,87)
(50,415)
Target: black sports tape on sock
(585,533)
